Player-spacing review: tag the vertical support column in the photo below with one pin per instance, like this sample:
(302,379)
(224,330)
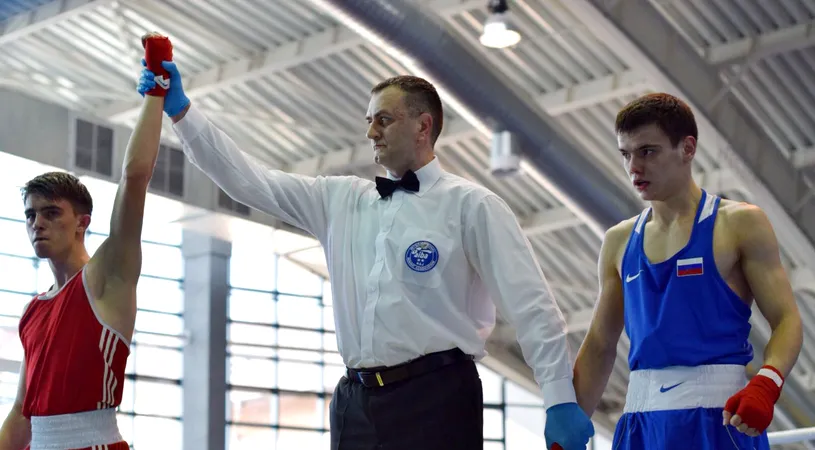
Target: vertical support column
(206,289)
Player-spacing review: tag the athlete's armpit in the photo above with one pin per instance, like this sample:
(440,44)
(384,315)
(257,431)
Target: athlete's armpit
(761,264)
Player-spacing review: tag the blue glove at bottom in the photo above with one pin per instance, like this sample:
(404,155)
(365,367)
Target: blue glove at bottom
(568,426)
(175,100)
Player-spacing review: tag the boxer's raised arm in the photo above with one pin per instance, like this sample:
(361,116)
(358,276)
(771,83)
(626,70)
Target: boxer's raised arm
(119,256)
(114,270)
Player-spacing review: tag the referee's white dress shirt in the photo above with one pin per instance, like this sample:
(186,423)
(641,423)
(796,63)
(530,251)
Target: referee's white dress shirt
(411,274)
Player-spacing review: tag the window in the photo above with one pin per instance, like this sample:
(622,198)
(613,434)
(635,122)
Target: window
(293,279)
(525,427)
(514,419)
(256,408)
(156,432)
(253,265)
(242,437)
(282,363)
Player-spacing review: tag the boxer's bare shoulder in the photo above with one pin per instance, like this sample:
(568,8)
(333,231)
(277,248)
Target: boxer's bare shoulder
(616,240)
(737,224)
(740,215)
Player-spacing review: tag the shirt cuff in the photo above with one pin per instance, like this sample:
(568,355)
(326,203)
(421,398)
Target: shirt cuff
(189,127)
(558,391)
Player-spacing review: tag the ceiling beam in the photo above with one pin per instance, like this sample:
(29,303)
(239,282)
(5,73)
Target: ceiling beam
(246,69)
(320,45)
(763,45)
(600,90)
(549,220)
(41,17)
(802,279)
(804,157)
(579,321)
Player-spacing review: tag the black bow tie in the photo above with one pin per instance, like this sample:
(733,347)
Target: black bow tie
(386,186)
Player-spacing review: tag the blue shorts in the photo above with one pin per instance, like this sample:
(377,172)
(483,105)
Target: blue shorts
(697,429)
(680,408)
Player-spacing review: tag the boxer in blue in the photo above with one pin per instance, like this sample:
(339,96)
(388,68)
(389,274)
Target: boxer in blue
(681,278)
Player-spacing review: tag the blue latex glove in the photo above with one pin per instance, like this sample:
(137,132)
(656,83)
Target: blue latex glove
(175,100)
(568,426)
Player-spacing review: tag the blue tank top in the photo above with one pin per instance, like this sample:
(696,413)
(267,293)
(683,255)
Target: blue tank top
(681,312)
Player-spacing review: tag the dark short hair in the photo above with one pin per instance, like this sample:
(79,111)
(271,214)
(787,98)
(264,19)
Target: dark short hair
(60,186)
(420,97)
(673,116)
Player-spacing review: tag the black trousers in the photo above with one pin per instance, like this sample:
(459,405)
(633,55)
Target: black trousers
(442,410)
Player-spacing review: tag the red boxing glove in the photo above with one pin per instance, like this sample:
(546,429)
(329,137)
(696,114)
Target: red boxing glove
(157,48)
(754,404)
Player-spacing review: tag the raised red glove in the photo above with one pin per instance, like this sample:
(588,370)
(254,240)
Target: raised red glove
(752,407)
(157,48)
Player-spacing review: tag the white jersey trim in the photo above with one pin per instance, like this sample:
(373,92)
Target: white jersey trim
(708,208)
(108,343)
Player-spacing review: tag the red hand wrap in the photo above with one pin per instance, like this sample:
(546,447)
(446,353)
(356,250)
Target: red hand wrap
(158,48)
(754,404)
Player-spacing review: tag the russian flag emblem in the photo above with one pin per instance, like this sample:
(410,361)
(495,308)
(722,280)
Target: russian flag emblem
(689,267)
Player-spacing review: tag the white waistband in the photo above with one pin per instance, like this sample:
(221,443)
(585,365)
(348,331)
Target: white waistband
(675,388)
(80,430)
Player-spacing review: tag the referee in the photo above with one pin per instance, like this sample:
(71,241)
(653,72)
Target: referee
(414,260)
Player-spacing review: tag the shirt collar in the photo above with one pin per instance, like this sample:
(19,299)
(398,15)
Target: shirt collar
(427,175)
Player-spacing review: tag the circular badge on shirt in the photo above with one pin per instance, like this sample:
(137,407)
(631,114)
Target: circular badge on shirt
(421,256)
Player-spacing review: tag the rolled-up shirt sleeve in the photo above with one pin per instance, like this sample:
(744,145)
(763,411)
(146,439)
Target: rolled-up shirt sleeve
(295,199)
(499,251)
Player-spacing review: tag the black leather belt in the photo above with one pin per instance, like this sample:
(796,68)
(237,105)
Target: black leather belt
(378,377)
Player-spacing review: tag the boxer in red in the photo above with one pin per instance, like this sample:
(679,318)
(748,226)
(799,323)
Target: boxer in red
(76,336)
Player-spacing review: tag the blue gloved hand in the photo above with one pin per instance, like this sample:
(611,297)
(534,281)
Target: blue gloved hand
(568,426)
(175,101)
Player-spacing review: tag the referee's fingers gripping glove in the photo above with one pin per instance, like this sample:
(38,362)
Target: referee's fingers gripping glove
(567,427)
(751,409)
(164,80)
(157,48)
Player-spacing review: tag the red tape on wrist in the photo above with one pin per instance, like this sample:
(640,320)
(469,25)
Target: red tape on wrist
(755,403)
(158,48)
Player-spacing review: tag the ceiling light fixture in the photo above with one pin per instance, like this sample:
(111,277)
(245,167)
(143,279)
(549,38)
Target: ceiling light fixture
(497,32)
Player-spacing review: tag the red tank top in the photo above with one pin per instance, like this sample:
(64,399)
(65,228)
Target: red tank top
(74,362)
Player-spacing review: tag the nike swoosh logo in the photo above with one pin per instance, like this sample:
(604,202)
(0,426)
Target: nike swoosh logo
(664,389)
(161,81)
(629,278)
